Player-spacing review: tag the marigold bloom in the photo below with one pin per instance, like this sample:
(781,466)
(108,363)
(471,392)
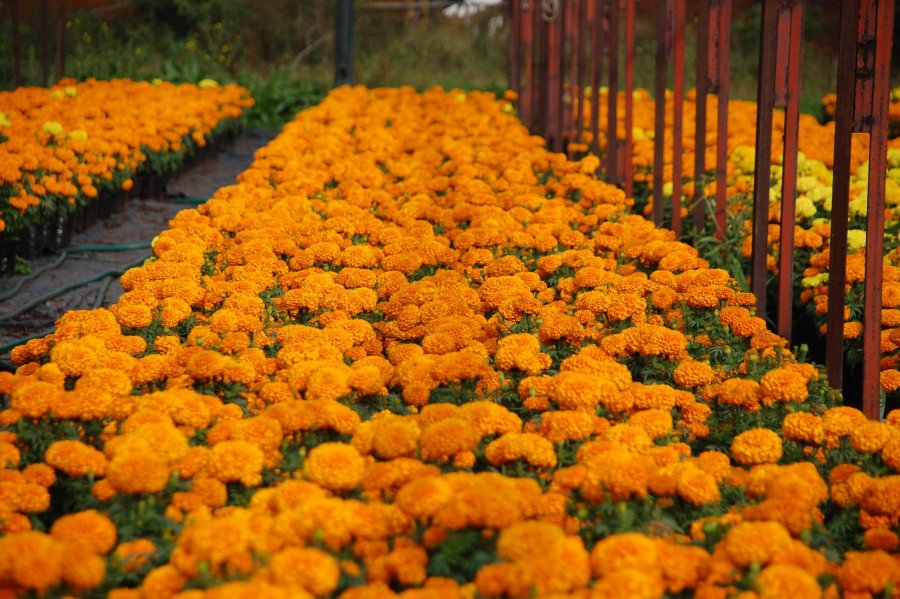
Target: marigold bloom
(137,472)
(334,466)
(237,461)
(31,560)
(306,567)
(90,529)
(755,542)
(76,458)
(785,580)
(756,446)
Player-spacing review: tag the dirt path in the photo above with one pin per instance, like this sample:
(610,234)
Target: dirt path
(91,274)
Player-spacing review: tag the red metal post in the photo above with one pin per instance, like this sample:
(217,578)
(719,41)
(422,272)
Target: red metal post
(787,91)
(514,49)
(882,30)
(613,148)
(765,104)
(677,27)
(703,79)
(16,43)
(570,62)
(526,92)
(628,160)
(721,35)
(663,51)
(579,50)
(594,17)
(60,39)
(554,19)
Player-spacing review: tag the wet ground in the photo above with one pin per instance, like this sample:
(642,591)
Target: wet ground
(85,277)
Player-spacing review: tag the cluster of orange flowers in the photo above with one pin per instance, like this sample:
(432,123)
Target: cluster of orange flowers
(62,146)
(411,353)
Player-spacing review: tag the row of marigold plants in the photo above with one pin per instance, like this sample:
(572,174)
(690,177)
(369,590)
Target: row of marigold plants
(412,353)
(812,218)
(63,147)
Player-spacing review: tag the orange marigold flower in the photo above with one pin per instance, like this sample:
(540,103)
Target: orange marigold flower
(137,472)
(424,497)
(698,487)
(785,580)
(624,551)
(755,542)
(756,446)
(534,449)
(76,458)
(237,461)
(782,384)
(334,466)
(31,560)
(81,568)
(305,567)
(690,373)
(90,529)
(34,399)
(871,437)
(868,572)
(803,427)
(448,437)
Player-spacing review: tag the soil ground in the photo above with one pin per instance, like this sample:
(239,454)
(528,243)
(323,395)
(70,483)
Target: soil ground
(140,222)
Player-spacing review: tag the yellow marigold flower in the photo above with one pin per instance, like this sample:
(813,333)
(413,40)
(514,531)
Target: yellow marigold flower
(424,497)
(580,391)
(305,567)
(618,472)
(690,373)
(81,568)
(448,437)
(334,466)
(490,418)
(528,539)
(134,554)
(39,474)
(565,426)
(521,352)
(237,461)
(629,582)
(9,456)
(76,458)
(133,316)
(105,379)
(90,529)
(756,446)
(137,472)
(31,560)
(803,427)
(534,449)
(785,580)
(755,542)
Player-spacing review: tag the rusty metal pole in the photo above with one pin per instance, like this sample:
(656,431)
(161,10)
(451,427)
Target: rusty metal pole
(579,51)
(526,93)
(790,34)
(554,17)
(883,33)
(663,50)
(628,160)
(44,42)
(612,113)
(60,39)
(570,62)
(594,19)
(677,27)
(16,43)
(514,47)
(843,132)
(702,87)
(765,104)
(722,35)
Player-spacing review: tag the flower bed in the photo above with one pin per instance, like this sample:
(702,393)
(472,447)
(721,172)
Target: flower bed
(411,353)
(77,147)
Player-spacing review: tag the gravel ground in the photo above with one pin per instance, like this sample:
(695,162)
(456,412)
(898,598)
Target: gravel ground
(140,222)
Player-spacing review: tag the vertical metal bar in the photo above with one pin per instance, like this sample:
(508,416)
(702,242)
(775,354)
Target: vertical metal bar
(703,19)
(794,22)
(570,62)
(678,111)
(579,52)
(44,42)
(723,54)
(662,60)
(612,114)
(343,58)
(596,71)
(765,104)
(526,93)
(60,39)
(628,159)
(843,127)
(883,34)
(514,48)
(554,80)
(16,43)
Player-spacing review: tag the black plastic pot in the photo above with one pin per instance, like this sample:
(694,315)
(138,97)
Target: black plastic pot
(104,205)
(58,234)
(7,256)
(31,242)
(118,201)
